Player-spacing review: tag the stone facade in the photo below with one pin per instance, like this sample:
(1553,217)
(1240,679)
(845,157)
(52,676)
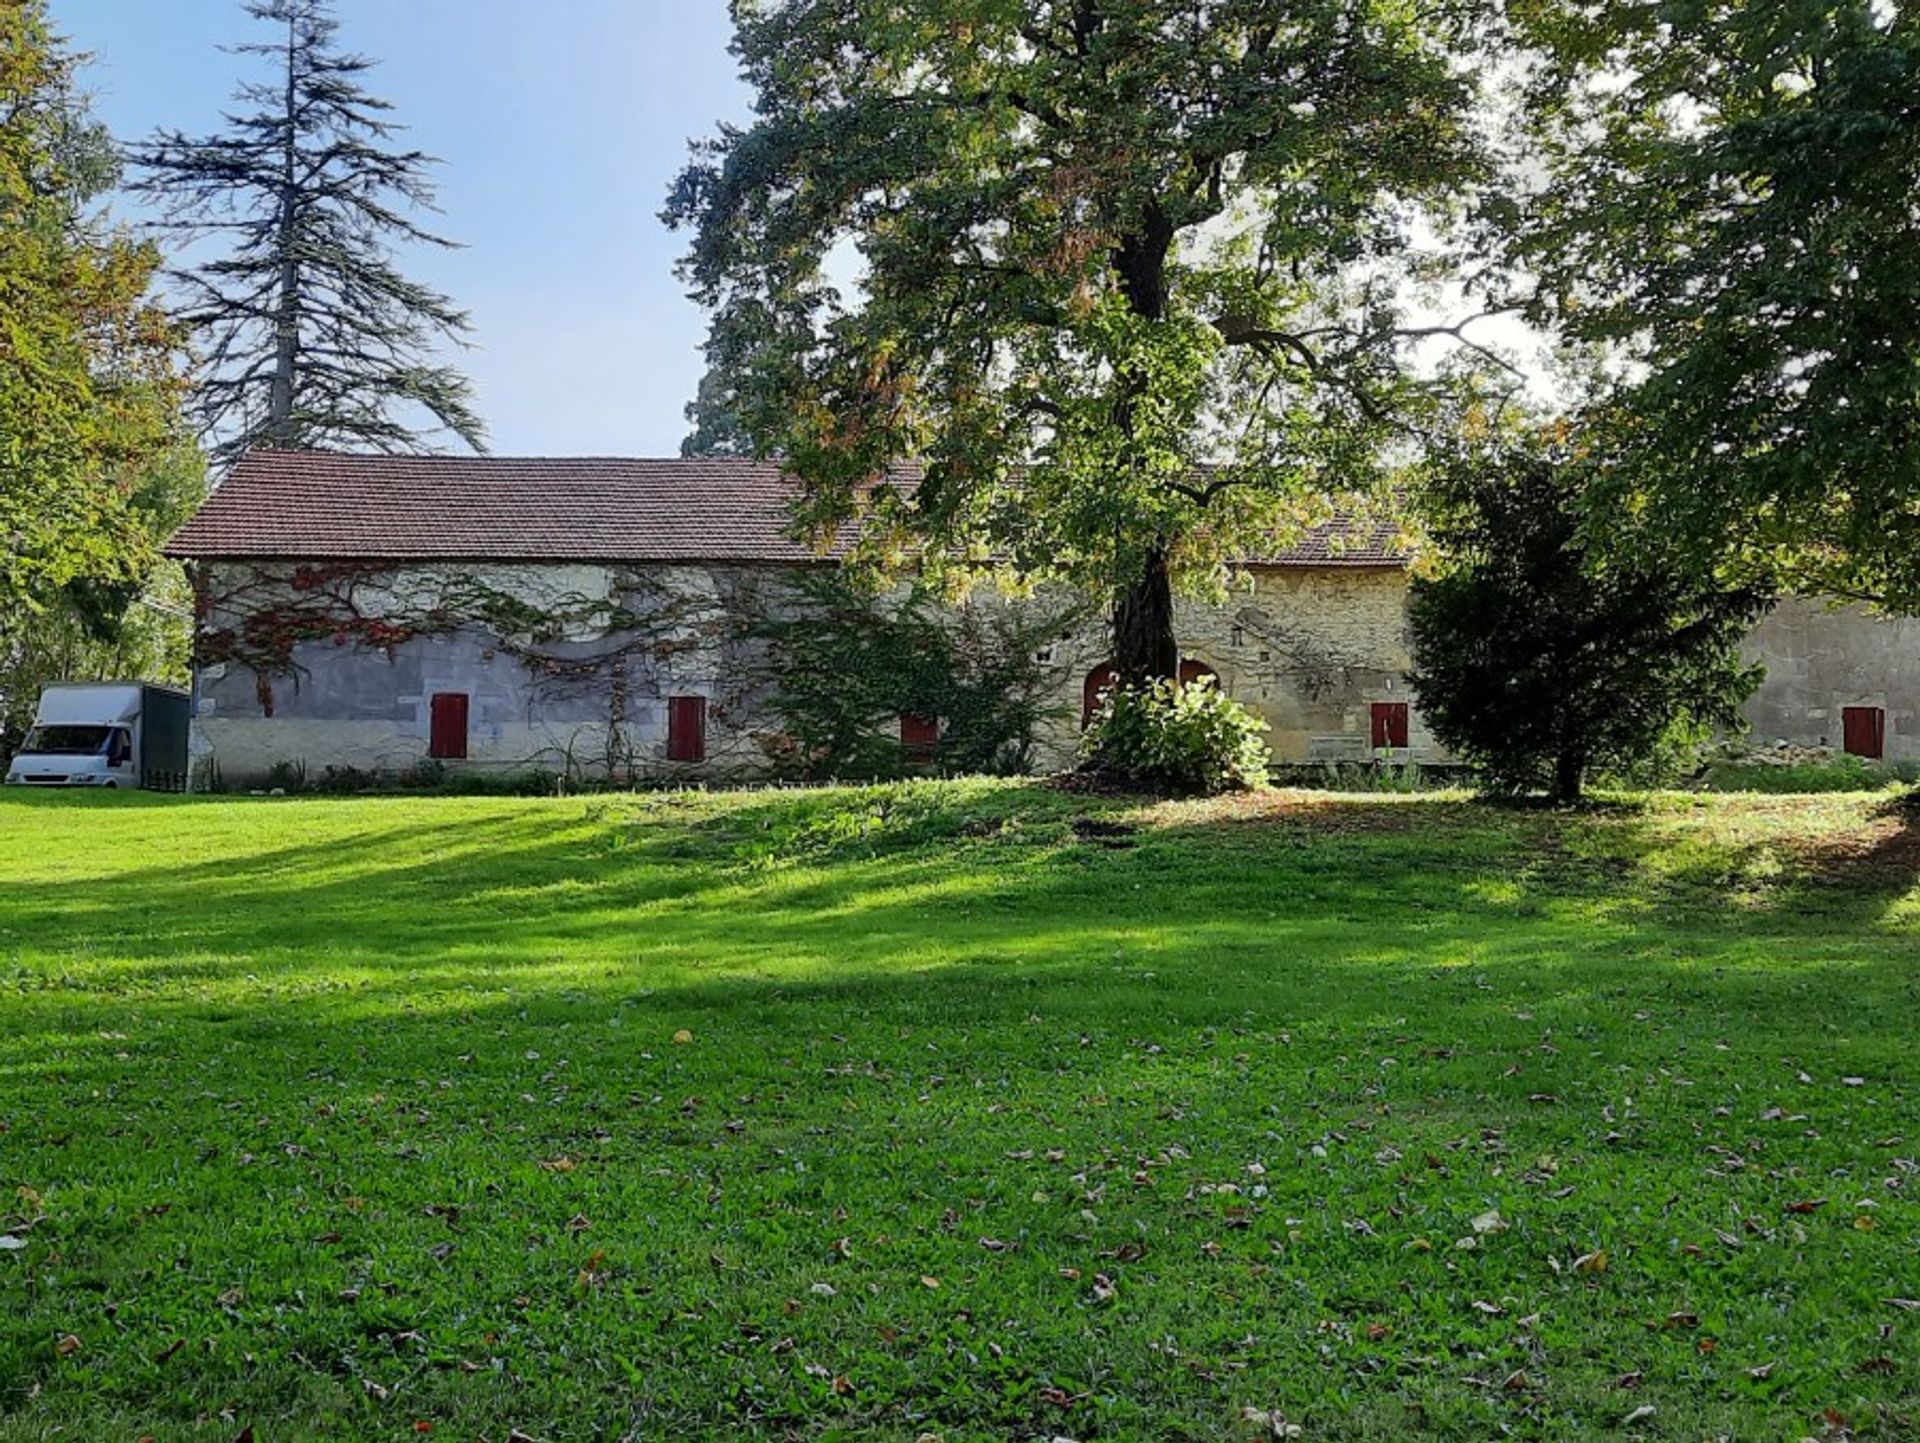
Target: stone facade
(1824,658)
(569,668)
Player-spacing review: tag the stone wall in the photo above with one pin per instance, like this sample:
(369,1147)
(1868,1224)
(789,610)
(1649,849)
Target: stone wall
(1822,658)
(568,668)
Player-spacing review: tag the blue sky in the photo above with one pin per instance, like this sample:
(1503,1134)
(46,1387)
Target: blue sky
(561,126)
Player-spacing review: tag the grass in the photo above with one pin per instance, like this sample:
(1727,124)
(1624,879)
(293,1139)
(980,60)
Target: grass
(968,1109)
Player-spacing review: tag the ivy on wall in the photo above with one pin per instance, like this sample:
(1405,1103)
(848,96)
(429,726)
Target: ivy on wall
(841,668)
(259,616)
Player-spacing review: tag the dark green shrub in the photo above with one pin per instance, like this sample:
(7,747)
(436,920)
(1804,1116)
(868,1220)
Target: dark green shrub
(843,666)
(1542,659)
(1190,739)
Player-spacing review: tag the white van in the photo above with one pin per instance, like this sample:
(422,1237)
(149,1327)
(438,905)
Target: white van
(106,734)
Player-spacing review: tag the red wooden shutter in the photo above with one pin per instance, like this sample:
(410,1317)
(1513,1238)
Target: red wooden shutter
(1865,729)
(686,729)
(919,737)
(1102,678)
(447,736)
(1390,725)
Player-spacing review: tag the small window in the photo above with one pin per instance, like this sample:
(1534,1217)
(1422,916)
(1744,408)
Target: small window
(686,729)
(1390,725)
(1865,729)
(919,737)
(447,736)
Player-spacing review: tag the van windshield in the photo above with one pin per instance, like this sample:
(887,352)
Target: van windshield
(67,741)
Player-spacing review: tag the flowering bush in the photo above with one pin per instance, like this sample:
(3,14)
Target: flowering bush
(1167,736)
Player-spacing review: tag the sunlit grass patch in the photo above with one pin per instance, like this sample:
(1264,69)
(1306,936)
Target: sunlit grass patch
(975,1109)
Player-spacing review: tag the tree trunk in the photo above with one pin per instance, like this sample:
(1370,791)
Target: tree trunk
(1144,646)
(286,319)
(1569,777)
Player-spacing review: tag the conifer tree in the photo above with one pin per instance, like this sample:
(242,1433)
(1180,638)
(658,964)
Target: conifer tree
(309,333)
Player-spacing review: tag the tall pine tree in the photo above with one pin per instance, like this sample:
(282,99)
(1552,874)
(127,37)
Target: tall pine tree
(309,333)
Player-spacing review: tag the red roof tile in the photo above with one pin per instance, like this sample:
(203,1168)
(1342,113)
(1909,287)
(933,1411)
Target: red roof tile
(316,505)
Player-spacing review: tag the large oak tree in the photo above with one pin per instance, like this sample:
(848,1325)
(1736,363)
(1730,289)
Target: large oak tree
(1123,278)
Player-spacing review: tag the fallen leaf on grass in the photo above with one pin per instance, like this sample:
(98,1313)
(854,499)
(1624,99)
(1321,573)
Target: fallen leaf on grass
(67,1346)
(929,1281)
(682,1037)
(1594,1262)
(1639,1415)
(1809,1206)
(1877,1365)
(1762,1373)
(558,1164)
(1490,1222)
(167,1352)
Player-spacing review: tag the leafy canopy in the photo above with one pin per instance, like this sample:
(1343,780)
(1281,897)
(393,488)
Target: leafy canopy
(1066,253)
(89,367)
(1540,660)
(1729,203)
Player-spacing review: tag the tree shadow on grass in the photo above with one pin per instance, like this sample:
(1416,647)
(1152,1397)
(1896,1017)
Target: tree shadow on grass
(1300,900)
(312,1054)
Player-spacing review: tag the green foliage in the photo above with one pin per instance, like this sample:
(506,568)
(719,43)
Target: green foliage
(89,368)
(1542,662)
(388,1081)
(1367,778)
(716,426)
(1188,738)
(136,624)
(1835,774)
(1102,247)
(310,334)
(844,666)
(1727,203)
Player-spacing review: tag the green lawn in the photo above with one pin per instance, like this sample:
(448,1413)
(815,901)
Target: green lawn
(875,1114)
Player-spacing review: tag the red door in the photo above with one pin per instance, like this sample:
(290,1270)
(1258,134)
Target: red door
(1865,729)
(1390,725)
(1192,671)
(447,736)
(919,737)
(1101,679)
(686,729)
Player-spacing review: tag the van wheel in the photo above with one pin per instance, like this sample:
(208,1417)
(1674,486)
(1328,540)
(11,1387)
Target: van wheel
(110,785)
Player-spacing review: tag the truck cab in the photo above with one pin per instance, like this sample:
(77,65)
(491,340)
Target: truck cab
(69,755)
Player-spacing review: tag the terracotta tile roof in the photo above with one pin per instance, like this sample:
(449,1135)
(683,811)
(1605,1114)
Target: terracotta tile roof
(315,505)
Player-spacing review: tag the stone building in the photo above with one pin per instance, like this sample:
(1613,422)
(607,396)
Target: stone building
(584,617)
